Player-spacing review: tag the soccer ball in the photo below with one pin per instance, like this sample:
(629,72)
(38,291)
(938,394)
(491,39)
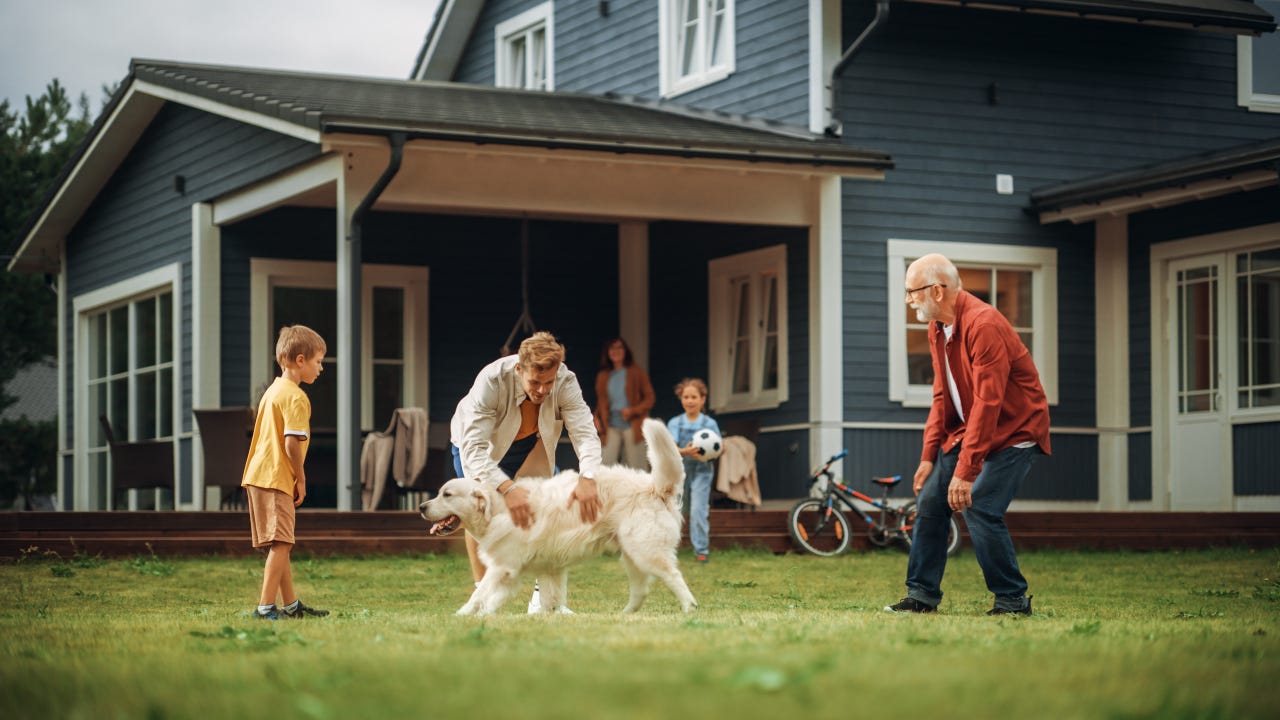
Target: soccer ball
(708,444)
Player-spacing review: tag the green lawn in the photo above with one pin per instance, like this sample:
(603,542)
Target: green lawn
(1115,635)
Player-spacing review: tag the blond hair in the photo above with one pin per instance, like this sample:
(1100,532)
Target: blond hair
(295,340)
(540,352)
(695,382)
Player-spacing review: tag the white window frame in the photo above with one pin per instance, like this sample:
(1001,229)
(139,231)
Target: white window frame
(266,273)
(1247,98)
(721,306)
(167,278)
(1041,262)
(523,26)
(670,83)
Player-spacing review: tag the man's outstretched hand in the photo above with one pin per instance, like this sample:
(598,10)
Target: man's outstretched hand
(589,504)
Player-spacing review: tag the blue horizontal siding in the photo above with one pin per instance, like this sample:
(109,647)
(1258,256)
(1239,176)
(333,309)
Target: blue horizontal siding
(1256,459)
(618,53)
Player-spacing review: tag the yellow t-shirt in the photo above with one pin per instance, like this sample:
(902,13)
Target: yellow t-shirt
(284,410)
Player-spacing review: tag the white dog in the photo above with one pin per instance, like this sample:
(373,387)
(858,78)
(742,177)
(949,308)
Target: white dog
(641,518)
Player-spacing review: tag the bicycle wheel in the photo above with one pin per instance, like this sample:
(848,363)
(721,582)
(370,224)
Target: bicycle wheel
(907,521)
(817,530)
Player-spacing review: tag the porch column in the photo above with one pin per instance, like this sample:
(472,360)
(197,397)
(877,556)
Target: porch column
(633,289)
(1111,331)
(826,323)
(206,331)
(349,295)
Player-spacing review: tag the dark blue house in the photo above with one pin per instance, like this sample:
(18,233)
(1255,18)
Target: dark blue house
(736,187)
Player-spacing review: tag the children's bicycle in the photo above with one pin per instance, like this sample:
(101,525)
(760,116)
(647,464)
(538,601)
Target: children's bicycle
(817,524)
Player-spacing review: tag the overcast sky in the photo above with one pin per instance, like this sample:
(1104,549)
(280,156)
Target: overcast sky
(86,43)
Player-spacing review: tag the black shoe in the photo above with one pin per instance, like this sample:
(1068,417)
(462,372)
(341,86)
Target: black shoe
(302,611)
(1005,611)
(910,605)
(272,614)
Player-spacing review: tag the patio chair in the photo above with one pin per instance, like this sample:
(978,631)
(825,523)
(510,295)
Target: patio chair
(225,434)
(140,465)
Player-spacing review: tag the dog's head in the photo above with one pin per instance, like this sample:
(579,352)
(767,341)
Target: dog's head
(460,503)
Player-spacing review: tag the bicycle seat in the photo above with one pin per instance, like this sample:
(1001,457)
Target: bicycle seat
(887,481)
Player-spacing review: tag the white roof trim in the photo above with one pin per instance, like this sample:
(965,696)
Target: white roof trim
(447,41)
(213,107)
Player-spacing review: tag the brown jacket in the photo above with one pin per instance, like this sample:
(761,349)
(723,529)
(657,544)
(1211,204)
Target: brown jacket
(639,399)
(1004,404)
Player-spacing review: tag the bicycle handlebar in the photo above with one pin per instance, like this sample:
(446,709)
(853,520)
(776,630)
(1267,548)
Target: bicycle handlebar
(837,456)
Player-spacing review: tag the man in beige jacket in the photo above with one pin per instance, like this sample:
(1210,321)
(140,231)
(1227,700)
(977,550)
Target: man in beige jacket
(509,424)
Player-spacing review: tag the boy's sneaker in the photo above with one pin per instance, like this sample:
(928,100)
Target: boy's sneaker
(272,614)
(997,610)
(700,558)
(298,611)
(910,605)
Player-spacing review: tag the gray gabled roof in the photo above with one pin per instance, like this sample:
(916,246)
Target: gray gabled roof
(1219,165)
(1238,16)
(483,114)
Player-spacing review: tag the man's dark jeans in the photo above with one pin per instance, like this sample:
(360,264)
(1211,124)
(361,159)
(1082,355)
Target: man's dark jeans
(1001,478)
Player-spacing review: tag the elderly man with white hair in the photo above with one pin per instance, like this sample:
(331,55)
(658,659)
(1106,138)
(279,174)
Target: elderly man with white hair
(988,422)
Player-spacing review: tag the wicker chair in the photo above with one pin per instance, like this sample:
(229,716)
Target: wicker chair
(225,434)
(140,465)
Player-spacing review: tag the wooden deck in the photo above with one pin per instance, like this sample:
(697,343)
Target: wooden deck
(324,532)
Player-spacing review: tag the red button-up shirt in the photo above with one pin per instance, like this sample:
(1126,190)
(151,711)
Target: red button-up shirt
(1004,404)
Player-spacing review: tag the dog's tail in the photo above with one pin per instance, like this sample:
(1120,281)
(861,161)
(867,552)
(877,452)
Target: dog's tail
(664,459)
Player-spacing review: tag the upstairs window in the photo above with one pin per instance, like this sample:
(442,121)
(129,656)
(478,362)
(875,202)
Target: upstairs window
(1258,66)
(524,55)
(696,45)
(748,329)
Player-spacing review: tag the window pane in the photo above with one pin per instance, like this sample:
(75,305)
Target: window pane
(1266,55)
(1197,340)
(118,397)
(538,59)
(769,309)
(164,333)
(388,323)
(719,45)
(742,367)
(515,72)
(687,38)
(97,346)
(770,379)
(165,405)
(978,282)
(146,384)
(144,343)
(388,392)
(919,362)
(98,463)
(317,308)
(97,397)
(1013,296)
(1025,337)
(118,345)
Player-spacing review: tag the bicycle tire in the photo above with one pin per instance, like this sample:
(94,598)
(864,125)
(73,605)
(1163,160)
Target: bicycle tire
(810,534)
(907,519)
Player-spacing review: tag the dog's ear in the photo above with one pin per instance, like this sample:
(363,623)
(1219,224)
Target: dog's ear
(482,502)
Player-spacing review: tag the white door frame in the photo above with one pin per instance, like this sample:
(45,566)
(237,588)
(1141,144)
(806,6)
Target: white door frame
(1163,255)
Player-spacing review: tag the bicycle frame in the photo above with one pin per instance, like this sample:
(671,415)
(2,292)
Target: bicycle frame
(838,490)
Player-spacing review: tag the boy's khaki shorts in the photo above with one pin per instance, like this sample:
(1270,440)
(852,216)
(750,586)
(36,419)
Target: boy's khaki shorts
(271,516)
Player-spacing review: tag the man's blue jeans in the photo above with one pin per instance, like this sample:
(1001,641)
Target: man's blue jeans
(997,484)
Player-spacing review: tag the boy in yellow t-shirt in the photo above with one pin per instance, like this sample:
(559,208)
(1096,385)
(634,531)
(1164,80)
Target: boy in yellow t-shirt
(274,481)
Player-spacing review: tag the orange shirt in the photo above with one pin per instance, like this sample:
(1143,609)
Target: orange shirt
(998,384)
(528,420)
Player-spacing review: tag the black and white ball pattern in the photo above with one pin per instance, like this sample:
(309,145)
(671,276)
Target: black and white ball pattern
(709,445)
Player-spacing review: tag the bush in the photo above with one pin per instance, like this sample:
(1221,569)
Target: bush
(28,453)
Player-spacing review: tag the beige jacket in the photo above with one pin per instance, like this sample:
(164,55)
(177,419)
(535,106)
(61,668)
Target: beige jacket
(487,419)
(737,477)
(401,451)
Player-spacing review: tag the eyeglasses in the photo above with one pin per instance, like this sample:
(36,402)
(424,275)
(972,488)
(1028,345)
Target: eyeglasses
(913,291)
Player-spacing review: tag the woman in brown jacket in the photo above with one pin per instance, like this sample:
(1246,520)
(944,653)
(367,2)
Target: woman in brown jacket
(624,397)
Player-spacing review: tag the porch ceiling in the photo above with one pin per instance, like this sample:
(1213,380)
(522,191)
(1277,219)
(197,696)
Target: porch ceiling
(1237,169)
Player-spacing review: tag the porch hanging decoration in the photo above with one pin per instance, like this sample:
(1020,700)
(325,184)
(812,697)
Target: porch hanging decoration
(524,323)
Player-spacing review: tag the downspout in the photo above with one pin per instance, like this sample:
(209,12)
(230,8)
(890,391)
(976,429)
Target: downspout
(882,14)
(351,367)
